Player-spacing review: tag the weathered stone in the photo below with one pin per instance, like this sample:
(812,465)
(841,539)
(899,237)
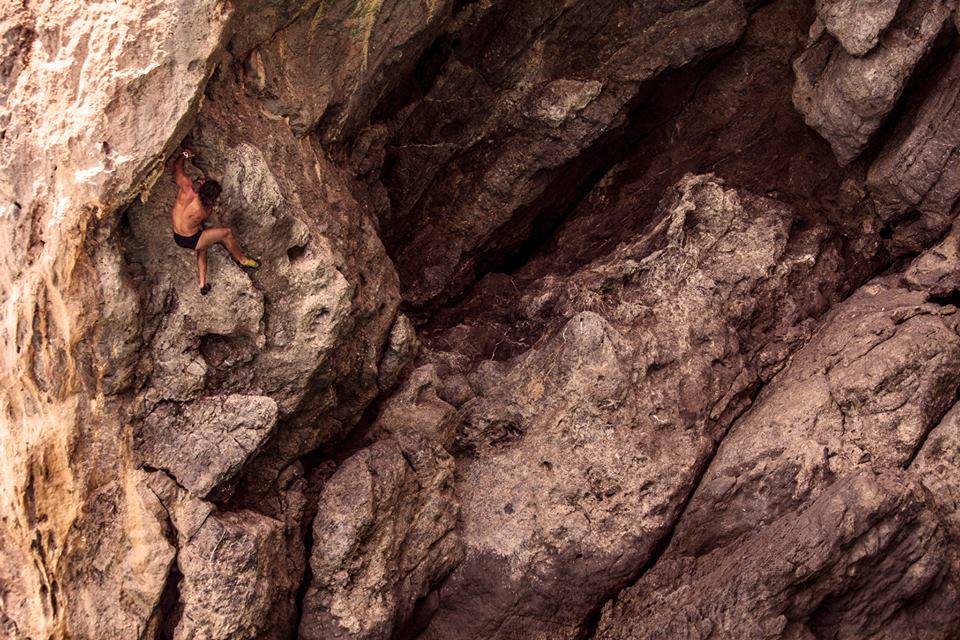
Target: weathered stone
(401,347)
(937,465)
(417,404)
(116,561)
(916,177)
(91,97)
(336,60)
(231,577)
(577,456)
(682,398)
(846,98)
(935,270)
(383,537)
(205,443)
(263,552)
(485,150)
(845,567)
(864,391)
(857,24)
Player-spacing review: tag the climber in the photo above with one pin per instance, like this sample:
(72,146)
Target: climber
(190,211)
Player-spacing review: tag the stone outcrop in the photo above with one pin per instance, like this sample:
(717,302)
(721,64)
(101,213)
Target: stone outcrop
(857,26)
(862,396)
(384,535)
(574,320)
(620,409)
(810,574)
(491,140)
(916,177)
(204,444)
(846,96)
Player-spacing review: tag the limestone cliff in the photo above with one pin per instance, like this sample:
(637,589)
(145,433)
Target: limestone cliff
(576,319)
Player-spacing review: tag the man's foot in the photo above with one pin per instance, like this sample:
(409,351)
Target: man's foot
(205,289)
(248,264)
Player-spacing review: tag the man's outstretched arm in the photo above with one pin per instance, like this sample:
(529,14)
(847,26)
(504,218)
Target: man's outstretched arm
(179,175)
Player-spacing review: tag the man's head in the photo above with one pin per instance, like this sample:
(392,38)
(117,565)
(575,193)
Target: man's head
(209,191)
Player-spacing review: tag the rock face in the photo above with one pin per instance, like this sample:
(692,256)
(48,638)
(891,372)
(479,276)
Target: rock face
(490,141)
(810,574)
(846,95)
(620,409)
(207,442)
(383,535)
(575,320)
(916,176)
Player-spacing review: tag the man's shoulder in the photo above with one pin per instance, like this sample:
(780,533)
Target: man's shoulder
(186,195)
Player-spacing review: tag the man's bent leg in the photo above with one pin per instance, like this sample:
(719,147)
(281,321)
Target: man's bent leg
(210,237)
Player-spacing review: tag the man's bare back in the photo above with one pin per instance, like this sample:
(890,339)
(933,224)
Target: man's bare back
(190,211)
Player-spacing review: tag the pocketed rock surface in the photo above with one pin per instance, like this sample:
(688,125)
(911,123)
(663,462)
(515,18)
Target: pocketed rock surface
(617,320)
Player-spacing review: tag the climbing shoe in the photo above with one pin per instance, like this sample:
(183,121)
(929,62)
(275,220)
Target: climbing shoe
(249,264)
(205,289)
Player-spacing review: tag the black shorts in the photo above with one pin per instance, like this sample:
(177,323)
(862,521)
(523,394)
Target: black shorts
(187,242)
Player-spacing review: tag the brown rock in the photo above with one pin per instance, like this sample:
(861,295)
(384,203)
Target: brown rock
(90,98)
(846,98)
(330,66)
(231,577)
(844,567)
(204,444)
(577,456)
(383,537)
(863,392)
(401,347)
(916,177)
(937,465)
(588,394)
(486,148)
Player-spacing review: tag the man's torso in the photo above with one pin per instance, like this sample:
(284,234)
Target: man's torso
(188,213)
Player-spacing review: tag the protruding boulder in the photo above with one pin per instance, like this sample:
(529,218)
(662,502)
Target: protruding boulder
(859,562)
(857,24)
(384,536)
(205,443)
(845,97)
(938,467)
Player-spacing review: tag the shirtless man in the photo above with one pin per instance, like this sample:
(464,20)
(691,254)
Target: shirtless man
(190,211)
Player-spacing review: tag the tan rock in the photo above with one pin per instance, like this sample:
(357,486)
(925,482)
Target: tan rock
(92,97)
(845,97)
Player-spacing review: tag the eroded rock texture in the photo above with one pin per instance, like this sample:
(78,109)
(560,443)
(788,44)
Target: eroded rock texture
(575,320)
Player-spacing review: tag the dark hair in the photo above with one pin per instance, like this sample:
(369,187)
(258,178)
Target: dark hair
(209,192)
